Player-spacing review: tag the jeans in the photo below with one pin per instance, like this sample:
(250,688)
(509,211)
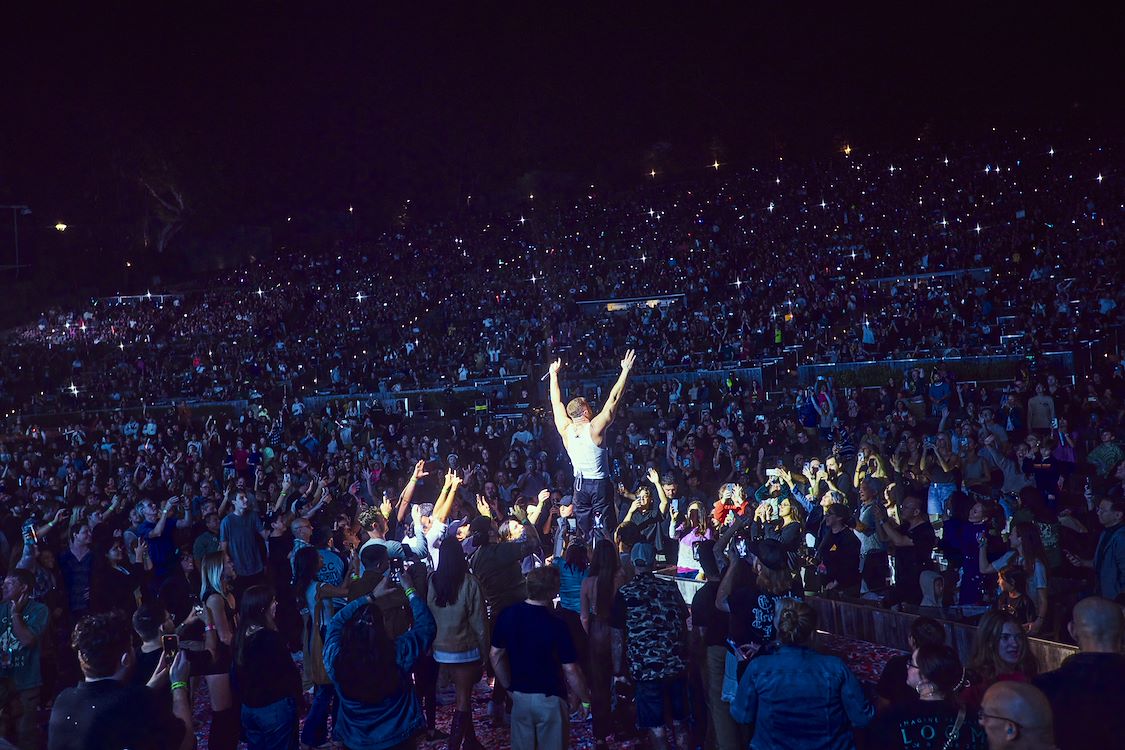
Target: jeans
(271,727)
(315,730)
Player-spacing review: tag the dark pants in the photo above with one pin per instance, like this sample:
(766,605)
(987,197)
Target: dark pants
(425,686)
(593,509)
(315,730)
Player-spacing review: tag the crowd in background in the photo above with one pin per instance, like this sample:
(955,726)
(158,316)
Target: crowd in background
(1001,247)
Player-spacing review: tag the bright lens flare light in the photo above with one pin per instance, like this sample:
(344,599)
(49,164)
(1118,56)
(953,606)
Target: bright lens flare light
(847,150)
(60,226)
(714,165)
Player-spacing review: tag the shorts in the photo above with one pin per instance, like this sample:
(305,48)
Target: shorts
(457,657)
(654,695)
(938,500)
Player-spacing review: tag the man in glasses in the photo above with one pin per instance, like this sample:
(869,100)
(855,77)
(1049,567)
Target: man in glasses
(1016,716)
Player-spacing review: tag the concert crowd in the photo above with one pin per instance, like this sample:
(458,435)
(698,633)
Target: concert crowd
(641,565)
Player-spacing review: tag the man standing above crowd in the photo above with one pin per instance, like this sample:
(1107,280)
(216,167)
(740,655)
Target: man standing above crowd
(583,435)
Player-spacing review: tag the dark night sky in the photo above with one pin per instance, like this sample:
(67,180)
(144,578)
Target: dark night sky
(261,112)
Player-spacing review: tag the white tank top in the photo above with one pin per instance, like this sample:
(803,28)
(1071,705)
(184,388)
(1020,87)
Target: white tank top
(587,458)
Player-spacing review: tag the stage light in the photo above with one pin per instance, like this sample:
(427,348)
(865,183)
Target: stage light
(847,150)
(60,226)
(715,165)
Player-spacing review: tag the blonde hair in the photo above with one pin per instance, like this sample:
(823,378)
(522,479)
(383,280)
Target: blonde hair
(211,573)
(577,407)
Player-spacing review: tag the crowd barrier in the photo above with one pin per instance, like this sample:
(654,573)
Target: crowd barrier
(876,372)
(888,627)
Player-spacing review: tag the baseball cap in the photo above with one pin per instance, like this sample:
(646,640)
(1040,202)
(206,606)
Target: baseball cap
(643,556)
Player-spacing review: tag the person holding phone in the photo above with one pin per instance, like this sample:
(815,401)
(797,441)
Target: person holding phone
(379,709)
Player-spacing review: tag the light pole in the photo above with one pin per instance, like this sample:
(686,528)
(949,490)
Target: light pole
(17,212)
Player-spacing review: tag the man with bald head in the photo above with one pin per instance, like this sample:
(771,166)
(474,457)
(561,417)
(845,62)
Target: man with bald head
(1016,716)
(1087,693)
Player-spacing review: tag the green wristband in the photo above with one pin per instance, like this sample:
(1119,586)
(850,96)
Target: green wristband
(179,684)
(409,592)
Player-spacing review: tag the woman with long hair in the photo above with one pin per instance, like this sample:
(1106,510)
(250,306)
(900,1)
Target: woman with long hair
(693,528)
(938,720)
(811,700)
(789,528)
(604,577)
(573,570)
(216,578)
(314,599)
(1000,653)
(378,707)
(457,605)
(1027,552)
(268,682)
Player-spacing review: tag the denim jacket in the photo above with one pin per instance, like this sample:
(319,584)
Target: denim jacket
(798,699)
(363,726)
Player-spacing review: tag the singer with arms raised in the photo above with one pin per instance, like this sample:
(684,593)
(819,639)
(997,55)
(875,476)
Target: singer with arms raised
(583,435)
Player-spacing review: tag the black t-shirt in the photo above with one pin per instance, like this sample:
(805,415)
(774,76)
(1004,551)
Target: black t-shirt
(752,611)
(911,561)
(926,725)
(840,554)
(109,715)
(649,523)
(538,643)
(704,615)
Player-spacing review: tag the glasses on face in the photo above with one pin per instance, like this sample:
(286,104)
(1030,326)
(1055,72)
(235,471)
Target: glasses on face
(911,665)
(982,715)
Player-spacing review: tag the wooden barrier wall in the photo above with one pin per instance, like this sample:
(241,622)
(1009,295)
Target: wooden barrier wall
(888,627)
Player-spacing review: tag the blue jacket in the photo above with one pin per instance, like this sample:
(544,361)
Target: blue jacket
(798,699)
(365,726)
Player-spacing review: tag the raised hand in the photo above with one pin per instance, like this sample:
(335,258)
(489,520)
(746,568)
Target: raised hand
(420,471)
(628,361)
(554,368)
(482,506)
(653,476)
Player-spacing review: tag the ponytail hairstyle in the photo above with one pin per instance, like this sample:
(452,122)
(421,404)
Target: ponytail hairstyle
(795,622)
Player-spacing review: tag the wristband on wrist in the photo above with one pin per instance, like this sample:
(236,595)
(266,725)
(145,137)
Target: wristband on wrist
(586,705)
(208,628)
(179,684)
(410,592)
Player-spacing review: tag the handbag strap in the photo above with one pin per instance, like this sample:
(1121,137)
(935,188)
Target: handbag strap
(956,731)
